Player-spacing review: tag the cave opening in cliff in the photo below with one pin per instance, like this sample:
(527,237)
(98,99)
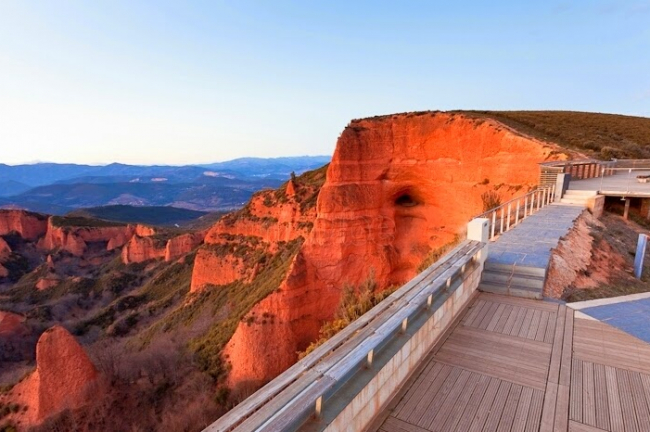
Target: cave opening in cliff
(405,200)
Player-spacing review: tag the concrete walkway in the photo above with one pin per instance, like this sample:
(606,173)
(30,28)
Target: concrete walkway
(518,259)
(529,244)
(623,183)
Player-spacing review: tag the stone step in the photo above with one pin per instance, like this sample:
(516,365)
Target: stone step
(582,193)
(511,291)
(574,201)
(515,269)
(508,278)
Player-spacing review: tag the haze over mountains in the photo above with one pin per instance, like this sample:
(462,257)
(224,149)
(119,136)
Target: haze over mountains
(60,188)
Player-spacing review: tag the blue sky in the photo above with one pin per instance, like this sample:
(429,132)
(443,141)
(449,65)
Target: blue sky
(175,83)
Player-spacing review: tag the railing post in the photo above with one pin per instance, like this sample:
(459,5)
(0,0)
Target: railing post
(532,203)
(319,407)
(508,222)
(517,212)
(501,229)
(370,358)
(494,222)
(525,206)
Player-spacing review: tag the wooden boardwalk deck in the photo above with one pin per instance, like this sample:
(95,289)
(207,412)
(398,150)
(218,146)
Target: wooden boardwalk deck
(514,364)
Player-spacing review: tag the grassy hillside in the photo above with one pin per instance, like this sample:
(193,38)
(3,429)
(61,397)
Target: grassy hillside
(602,136)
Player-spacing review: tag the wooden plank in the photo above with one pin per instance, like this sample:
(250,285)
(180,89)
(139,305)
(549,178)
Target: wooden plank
(579,427)
(518,301)
(424,418)
(496,317)
(541,348)
(488,316)
(510,409)
(450,399)
(534,324)
(510,322)
(575,412)
(548,411)
(640,403)
(516,326)
(556,354)
(492,368)
(541,328)
(521,415)
(484,407)
(461,404)
(550,327)
(393,424)
(497,407)
(474,402)
(533,422)
(600,395)
(507,311)
(516,354)
(613,400)
(645,379)
(627,401)
(525,324)
(588,398)
(480,315)
(562,409)
(567,349)
(417,391)
(418,410)
(475,308)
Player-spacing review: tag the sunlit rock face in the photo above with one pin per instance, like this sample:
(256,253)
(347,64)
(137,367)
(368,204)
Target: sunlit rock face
(28,225)
(397,187)
(64,378)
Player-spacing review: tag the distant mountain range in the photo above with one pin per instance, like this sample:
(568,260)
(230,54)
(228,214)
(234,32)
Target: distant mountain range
(62,188)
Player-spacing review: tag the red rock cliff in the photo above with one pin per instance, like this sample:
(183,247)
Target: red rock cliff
(270,218)
(140,249)
(64,378)
(29,225)
(397,187)
(75,239)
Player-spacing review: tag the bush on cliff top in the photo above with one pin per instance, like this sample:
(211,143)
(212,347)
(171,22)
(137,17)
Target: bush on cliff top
(599,135)
(354,303)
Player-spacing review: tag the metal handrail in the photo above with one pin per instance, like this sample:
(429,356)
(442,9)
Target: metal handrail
(302,390)
(512,213)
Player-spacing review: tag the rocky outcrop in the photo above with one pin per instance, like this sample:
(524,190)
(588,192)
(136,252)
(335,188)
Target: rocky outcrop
(270,219)
(28,225)
(140,249)
(144,231)
(47,282)
(5,250)
(214,268)
(397,187)
(64,378)
(75,239)
(11,324)
(182,245)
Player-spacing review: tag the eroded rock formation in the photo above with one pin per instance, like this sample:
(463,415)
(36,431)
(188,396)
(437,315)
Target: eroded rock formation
(28,225)
(236,243)
(140,249)
(75,239)
(397,187)
(64,378)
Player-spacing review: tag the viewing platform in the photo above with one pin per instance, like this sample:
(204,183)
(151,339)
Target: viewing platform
(470,344)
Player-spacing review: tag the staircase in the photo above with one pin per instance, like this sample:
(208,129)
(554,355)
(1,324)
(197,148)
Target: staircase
(513,280)
(577,197)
